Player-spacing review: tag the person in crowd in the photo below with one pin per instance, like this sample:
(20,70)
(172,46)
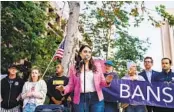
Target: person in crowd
(11,88)
(34,91)
(148,74)
(89,74)
(132,75)
(110,106)
(166,76)
(54,95)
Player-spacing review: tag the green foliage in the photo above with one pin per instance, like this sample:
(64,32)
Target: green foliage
(169,17)
(102,18)
(25,34)
(128,48)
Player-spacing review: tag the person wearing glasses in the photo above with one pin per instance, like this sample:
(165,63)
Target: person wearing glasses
(148,74)
(91,99)
(166,76)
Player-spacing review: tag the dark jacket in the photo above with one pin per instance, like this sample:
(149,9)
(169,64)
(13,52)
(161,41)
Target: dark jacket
(144,75)
(164,77)
(52,92)
(114,104)
(10,90)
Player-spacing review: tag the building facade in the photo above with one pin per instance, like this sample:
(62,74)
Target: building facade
(167,39)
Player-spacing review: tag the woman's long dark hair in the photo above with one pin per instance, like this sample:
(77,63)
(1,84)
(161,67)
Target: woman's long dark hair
(78,65)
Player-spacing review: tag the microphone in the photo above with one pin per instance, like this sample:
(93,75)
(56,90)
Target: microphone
(85,59)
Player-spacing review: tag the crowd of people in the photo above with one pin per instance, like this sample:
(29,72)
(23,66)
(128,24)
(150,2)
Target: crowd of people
(82,90)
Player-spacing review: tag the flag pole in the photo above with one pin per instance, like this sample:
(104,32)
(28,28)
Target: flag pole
(52,58)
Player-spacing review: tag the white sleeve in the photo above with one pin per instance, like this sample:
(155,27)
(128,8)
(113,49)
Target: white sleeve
(24,91)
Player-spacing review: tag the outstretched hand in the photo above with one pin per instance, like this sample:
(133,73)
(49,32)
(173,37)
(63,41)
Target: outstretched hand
(60,88)
(109,78)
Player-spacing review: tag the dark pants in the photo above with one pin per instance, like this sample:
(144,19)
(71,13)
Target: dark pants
(135,108)
(149,108)
(111,107)
(92,103)
(160,109)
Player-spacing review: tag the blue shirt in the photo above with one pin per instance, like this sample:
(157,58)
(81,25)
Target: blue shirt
(149,75)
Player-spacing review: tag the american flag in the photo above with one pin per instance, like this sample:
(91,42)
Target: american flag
(60,51)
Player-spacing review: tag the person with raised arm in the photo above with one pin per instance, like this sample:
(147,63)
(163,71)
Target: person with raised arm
(91,98)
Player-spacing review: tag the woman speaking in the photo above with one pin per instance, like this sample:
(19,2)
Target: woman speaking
(90,99)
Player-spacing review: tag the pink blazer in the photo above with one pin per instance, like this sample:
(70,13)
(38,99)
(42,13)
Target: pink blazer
(75,83)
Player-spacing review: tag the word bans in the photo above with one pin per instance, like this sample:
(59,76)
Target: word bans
(146,93)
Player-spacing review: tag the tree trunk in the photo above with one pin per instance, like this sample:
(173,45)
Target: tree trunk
(71,39)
